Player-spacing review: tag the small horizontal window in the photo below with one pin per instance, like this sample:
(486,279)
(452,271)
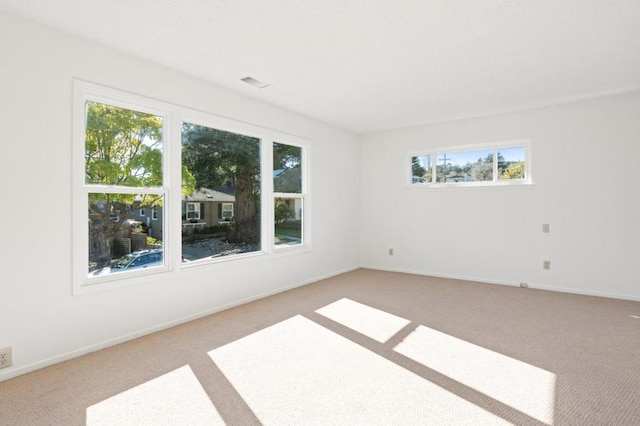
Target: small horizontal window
(482,166)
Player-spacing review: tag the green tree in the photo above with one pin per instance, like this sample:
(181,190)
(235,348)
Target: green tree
(417,170)
(122,147)
(514,171)
(218,158)
(283,213)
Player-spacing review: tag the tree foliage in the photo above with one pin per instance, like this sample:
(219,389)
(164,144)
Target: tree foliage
(513,171)
(122,147)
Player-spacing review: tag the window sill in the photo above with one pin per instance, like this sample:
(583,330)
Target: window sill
(470,185)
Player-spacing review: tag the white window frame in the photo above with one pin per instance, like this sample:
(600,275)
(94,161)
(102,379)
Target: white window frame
(303,196)
(173,115)
(222,210)
(496,182)
(195,210)
(88,92)
(142,212)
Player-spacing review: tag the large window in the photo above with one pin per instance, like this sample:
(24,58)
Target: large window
(159,187)
(482,166)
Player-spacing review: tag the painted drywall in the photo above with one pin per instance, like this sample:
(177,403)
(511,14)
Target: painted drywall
(585,171)
(39,317)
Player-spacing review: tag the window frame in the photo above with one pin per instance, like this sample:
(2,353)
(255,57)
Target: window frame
(84,92)
(495,182)
(222,210)
(303,195)
(172,116)
(195,204)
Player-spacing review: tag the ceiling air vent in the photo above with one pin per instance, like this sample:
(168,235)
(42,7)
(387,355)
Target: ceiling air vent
(255,83)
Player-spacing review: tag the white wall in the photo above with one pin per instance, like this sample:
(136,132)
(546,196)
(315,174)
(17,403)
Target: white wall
(586,168)
(39,317)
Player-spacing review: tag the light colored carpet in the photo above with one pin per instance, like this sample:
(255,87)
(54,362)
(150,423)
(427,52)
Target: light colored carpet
(366,347)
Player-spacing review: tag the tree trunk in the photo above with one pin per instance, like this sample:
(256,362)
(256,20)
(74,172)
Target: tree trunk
(101,252)
(245,225)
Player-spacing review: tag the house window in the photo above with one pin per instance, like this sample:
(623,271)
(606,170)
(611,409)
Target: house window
(224,164)
(154,214)
(142,212)
(479,166)
(226,211)
(288,204)
(193,211)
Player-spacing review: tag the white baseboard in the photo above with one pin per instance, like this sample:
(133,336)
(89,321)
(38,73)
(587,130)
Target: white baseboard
(18,371)
(514,284)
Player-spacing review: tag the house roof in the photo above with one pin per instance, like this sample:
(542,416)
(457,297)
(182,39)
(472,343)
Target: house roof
(287,180)
(206,194)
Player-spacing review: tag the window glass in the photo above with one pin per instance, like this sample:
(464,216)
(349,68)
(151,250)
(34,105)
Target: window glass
(227,211)
(111,240)
(421,169)
(288,221)
(484,166)
(220,169)
(122,149)
(288,198)
(193,211)
(465,166)
(511,163)
(287,160)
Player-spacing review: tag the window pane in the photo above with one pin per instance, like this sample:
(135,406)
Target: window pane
(465,166)
(287,160)
(119,241)
(511,163)
(221,176)
(288,221)
(122,147)
(227,211)
(421,169)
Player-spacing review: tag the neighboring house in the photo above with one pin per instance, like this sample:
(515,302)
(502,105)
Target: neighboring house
(207,207)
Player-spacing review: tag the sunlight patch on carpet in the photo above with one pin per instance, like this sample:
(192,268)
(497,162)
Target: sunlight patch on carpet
(297,372)
(374,323)
(528,389)
(175,398)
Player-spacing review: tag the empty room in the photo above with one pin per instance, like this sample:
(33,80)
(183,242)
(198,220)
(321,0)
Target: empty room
(319,212)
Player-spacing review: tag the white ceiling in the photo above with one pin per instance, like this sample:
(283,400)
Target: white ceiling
(369,65)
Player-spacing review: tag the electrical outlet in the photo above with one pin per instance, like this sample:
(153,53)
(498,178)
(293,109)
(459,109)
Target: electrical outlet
(546,264)
(524,285)
(5,357)
(545,228)
(390,252)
